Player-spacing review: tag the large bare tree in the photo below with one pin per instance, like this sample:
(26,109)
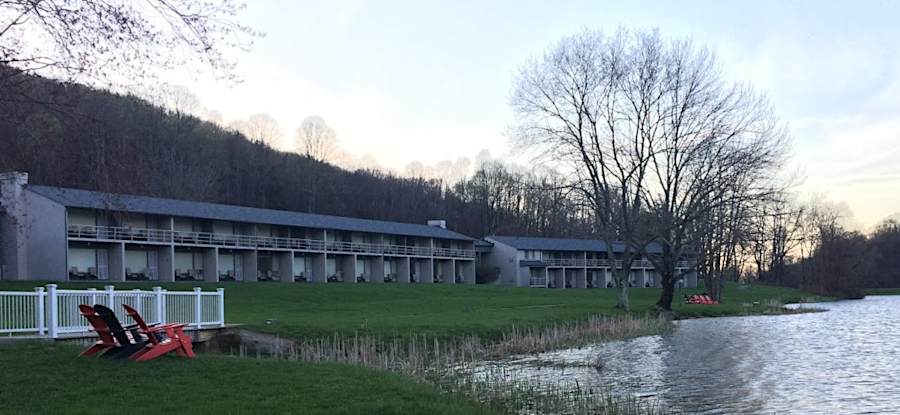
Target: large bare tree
(581,104)
(656,137)
(718,145)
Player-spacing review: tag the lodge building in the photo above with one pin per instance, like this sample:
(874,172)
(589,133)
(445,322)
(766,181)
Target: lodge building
(50,233)
(572,263)
(60,234)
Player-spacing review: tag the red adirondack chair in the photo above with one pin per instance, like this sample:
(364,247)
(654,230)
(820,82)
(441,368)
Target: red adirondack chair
(157,346)
(106,340)
(114,342)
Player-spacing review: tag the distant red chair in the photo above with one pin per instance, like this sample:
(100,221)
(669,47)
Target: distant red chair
(157,346)
(702,300)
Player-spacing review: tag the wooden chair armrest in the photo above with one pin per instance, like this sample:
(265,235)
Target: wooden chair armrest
(162,327)
(134,326)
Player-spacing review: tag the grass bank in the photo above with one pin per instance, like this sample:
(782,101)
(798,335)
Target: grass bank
(430,333)
(882,291)
(48,378)
(42,377)
(390,311)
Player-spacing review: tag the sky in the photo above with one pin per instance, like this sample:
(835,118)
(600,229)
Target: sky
(428,81)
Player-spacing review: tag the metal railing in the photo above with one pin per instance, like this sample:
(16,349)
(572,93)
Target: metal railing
(577,262)
(163,236)
(54,312)
(604,263)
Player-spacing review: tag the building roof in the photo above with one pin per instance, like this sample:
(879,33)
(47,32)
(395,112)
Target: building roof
(559,244)
(170,207)
(481,243)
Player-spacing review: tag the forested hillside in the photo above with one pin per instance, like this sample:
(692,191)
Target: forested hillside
(69,135)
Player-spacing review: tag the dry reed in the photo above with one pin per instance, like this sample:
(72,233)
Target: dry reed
(450,365)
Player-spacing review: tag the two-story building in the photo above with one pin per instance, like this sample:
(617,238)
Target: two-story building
(58,234)
(570,263)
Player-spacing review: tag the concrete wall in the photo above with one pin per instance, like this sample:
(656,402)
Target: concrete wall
(211,265)
(167,263)
(506,258)
(47,241)
(116,254)
(250,265)
(376,269)
(467,269)
(402,269)
(447,270)
(285,266)
(347,264)
(319,268)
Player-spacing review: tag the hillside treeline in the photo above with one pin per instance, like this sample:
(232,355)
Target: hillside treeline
(69,135)
(808,246)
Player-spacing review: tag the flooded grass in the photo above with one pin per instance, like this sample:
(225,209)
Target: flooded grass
(501,392)
(772,307)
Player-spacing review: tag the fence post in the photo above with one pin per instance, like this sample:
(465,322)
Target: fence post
(199,308)
(111,297)
(138,301)
(160,311)
(221,306)
(52,322)
(39,308)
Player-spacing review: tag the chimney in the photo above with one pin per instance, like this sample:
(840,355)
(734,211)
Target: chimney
(438,223)
(11,185)
(14,178)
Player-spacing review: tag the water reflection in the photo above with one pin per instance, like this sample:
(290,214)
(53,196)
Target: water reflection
(844,361)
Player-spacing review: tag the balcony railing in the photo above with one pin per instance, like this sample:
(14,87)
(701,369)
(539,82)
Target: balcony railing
(162,236)
(604,263)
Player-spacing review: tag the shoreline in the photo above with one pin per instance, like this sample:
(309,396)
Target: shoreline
(378,327)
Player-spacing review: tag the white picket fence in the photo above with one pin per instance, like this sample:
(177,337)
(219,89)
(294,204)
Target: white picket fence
(53,312)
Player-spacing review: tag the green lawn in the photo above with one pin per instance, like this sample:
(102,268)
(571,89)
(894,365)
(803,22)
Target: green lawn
(49,378)
(42,377)
(883,291)
(388,310)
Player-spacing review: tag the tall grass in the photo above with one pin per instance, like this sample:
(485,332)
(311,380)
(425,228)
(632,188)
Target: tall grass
(457,367)
(776,307)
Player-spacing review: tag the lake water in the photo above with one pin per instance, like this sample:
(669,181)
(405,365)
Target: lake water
(844,361)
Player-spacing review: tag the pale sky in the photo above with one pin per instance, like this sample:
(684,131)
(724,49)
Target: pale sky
(428,81)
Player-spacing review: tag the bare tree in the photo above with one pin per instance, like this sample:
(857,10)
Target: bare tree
(717,144)
(776,231)
(415,170)
(213,116)
(366,162)
(260,128)
(460,170)
(578,104)
(177,99)
(655,138)
(443,170)
(316,140)
(483,157)
(109,42)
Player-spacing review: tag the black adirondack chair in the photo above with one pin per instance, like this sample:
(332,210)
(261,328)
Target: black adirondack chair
(128,344)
